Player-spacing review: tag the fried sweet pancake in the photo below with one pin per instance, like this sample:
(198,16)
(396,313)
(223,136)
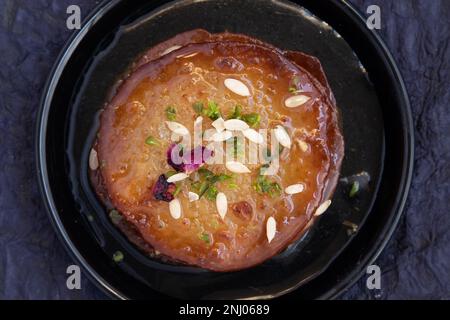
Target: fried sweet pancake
(311,64)
(187,77)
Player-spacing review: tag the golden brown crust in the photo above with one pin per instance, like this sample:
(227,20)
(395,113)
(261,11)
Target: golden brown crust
(139,209)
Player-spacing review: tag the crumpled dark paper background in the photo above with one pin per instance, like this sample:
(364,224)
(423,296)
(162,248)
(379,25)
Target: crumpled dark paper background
(416,262)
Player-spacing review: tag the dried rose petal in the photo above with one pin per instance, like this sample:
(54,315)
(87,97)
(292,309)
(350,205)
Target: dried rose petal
(163,190)
(196,158)
(174,157)
(190,161)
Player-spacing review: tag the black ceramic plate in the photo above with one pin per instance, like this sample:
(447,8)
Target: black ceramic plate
(377,130)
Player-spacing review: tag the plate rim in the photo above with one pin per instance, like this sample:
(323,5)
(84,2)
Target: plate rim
(407,170)
(47,196)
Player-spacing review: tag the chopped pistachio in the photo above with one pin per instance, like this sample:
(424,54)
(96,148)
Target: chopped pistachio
(232,185)
(276,190)
(177,190)
(252,119)
(151,141)
(198,107)
(237,112)
(205,173)
(205,237)
(171,113)
(211,193)
(206,185)
(203,188)
(354,189)
(264,185)
(118,256)
(212,111)
(219,178)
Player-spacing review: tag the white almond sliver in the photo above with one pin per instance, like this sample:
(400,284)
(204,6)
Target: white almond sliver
(221,136)
(219,124)
(175,208)
(236,125)
(93,160)
(177,128)
(322,208)
(271,228)
(177,177)
(237,87)
(295,188)
(253,136)
(236,167)
(296,101)
(222,204)
(303,145)
(170,49)
(192,196)
(188,55)
(282,136)
(198,121)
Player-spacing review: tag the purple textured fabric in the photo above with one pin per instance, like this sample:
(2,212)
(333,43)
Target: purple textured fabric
(416,262)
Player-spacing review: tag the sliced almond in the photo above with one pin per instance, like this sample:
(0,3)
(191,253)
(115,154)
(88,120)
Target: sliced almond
(177,177)
(222,204)
(236,125)
(253,136)
(175,208)
(221,136)
(93,159)
(282,136)
(295,188)
(303,145)
(188,55)
(322,208)
(271,228)
(192,196)
(170,49)
(177,128)
(296,101)
(219,124)
(237,167)
(198,120)
(237,87)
